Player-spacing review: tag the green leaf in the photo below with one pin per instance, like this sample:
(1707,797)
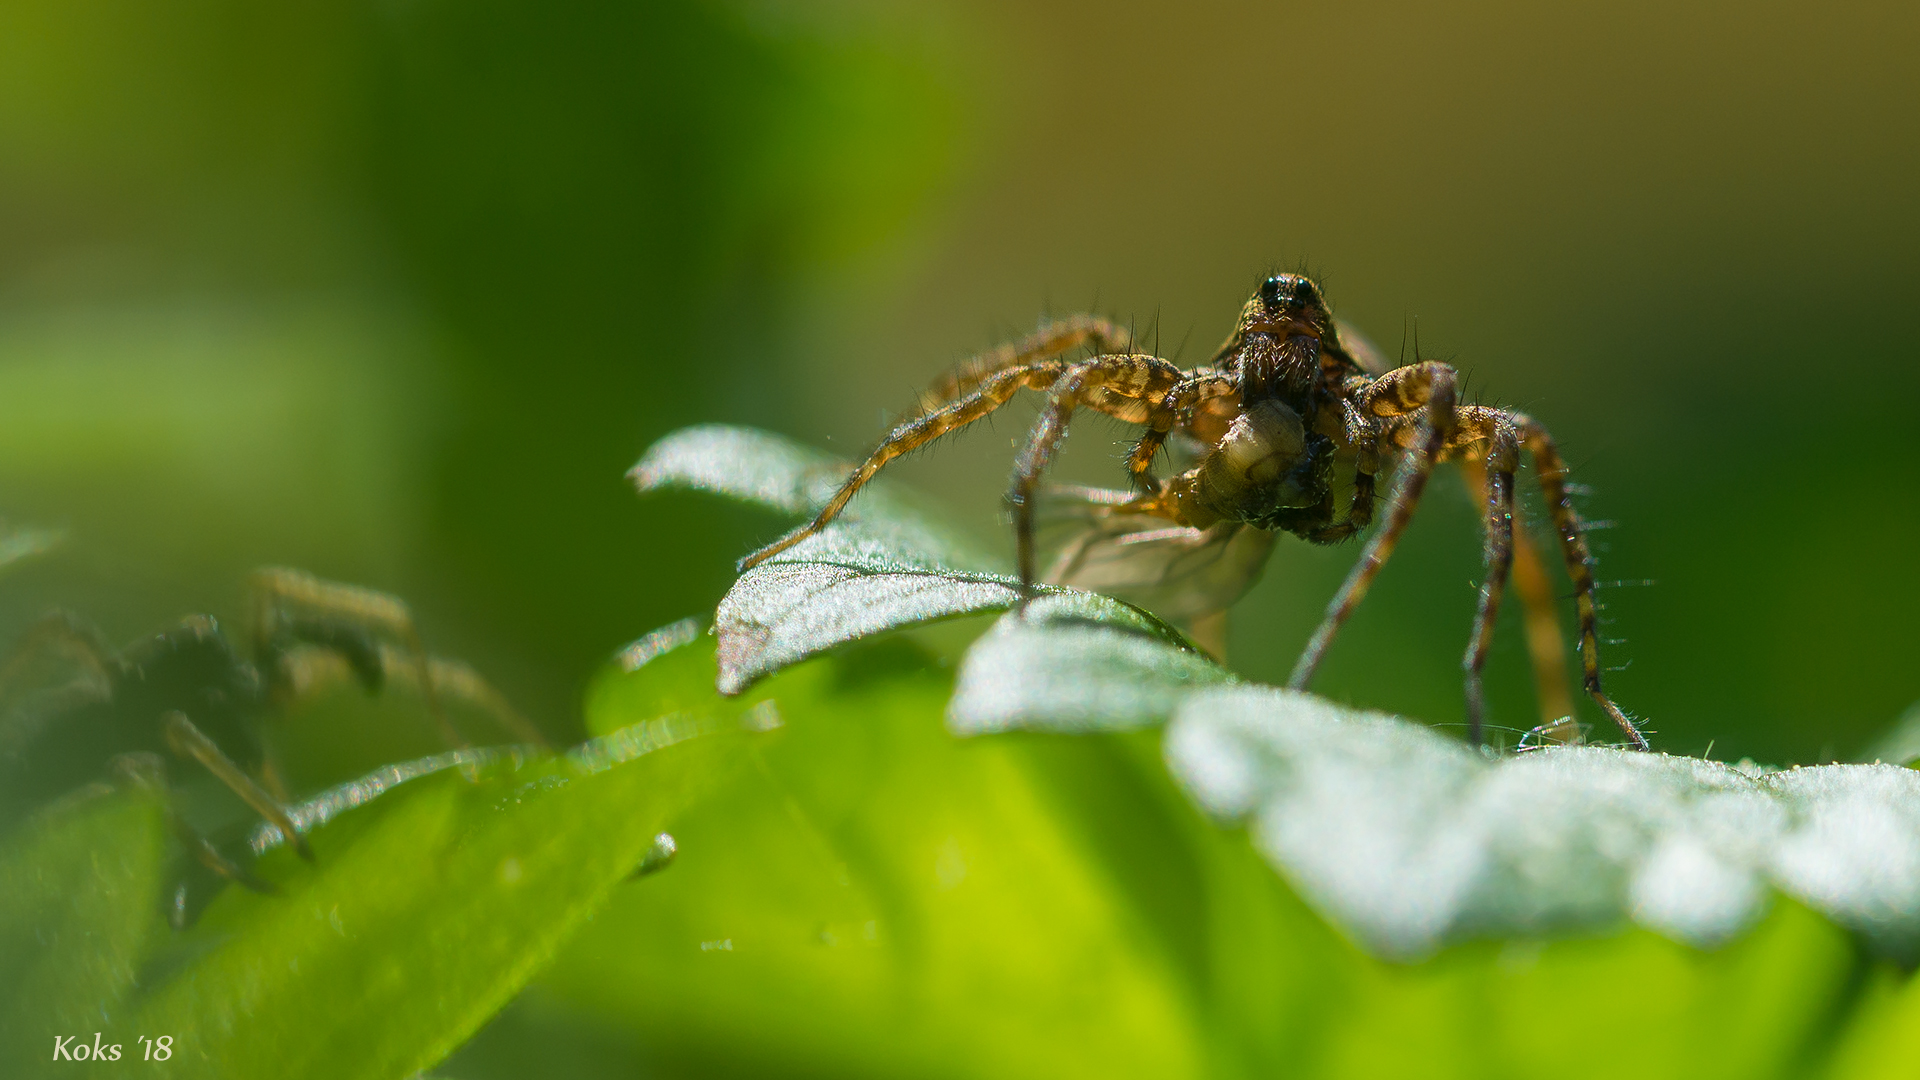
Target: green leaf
(439,888)
(869,896)
(1436,911)
(1070,663)
(79,901)
(1409,839)
(866,895)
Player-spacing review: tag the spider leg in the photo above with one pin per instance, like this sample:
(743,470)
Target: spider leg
(291,608)
(1426,386)
(1546,649)
(190,742)
(994,391)
(1130,378)
(1191,392)
(307,670)
(1502,457)
(144,770)
(1552,471)
(1050,342)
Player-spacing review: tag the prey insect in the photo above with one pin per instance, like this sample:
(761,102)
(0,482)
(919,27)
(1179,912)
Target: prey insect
(71,700)
(1291,428)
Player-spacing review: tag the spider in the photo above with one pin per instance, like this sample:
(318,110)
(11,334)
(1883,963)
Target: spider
(1290,423)
(68,698)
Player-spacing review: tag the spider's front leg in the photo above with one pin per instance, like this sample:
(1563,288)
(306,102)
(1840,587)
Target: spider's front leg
(306,631)
(1363,434)
(190,742)
(992,393)
(1175,409)
(1116,385)
(145,770)
(1429,388)
(1502,458)
(1050,342)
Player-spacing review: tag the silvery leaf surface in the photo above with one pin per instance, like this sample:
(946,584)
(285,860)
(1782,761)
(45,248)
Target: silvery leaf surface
(1076,662)
(1409,840)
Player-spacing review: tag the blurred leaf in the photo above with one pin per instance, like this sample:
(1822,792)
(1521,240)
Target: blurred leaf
(79,901)
(1883,1038)
(869,896)
(428,907)
(18,544)
(1901,745)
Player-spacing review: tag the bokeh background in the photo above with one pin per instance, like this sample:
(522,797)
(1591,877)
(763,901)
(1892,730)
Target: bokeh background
(396,291)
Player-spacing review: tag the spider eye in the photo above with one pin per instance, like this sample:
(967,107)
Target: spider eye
(1304,293)
(1273,290)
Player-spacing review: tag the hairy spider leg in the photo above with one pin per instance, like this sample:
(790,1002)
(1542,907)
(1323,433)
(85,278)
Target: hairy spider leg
(1050,342)
(1193,391)
(1552,472)
(1502,458)
(347,615)
(148,771)
(1546,648)
(1139,378)
(1429,387)
(995,391)
(189,741)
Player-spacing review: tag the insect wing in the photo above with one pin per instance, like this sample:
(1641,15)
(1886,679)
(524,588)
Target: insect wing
(1178,573)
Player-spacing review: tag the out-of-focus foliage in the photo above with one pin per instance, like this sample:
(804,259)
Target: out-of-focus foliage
(393,292)
(350,968)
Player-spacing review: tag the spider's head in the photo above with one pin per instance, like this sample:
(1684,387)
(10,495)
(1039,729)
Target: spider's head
(1275,348)
(1286,306)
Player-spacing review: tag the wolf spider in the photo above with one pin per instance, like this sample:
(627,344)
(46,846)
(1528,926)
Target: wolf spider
(188,691)
(1292,425)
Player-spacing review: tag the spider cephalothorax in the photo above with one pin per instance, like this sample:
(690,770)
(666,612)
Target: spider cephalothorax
(1288,427)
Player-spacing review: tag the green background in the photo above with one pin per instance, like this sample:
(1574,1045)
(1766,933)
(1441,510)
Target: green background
(396,291)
